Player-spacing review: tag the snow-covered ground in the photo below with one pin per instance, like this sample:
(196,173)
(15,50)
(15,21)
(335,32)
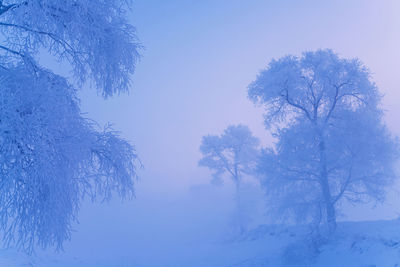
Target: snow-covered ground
(369,243)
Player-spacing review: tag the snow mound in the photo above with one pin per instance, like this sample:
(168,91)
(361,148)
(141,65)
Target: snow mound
(355,244)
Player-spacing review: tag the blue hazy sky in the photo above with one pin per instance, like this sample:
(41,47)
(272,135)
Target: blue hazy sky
(200,56)
(198,59)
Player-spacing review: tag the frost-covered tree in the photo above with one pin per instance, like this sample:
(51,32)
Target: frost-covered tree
(50,156)
(233,153)
(332,144)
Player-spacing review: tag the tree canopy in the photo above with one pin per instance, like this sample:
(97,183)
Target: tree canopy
(234,152)
(95,37)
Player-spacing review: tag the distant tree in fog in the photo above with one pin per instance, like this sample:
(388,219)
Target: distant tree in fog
(332,144)
(233,153)
(51,157)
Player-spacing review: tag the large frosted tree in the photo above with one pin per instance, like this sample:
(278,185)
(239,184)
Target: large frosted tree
(50,156)
(332,144)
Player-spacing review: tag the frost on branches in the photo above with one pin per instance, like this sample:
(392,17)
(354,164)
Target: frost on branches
(94,36)
(51,157)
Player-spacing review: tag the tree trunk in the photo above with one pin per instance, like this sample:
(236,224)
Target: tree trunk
(238,209)
(330,208)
